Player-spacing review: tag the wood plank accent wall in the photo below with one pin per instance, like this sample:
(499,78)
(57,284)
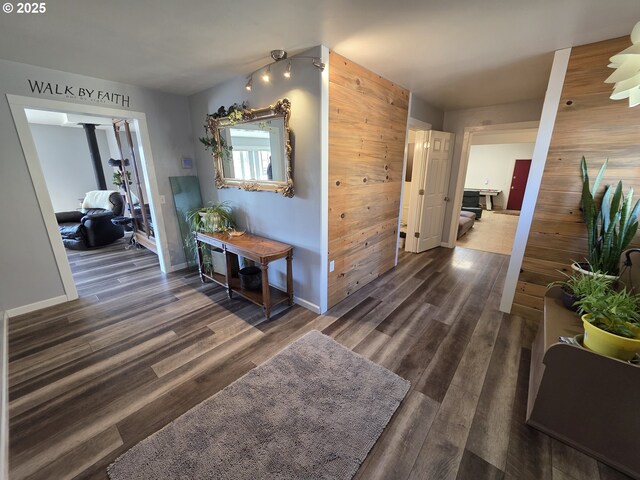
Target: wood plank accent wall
(367,128)
(590,124)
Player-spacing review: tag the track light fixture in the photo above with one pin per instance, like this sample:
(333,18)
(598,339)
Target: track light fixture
(278,56)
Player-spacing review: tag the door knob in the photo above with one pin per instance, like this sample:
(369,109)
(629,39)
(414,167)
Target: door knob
(446,199)
(512,187)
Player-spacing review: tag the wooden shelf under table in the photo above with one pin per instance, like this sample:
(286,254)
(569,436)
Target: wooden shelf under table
(254,296)
(259,249)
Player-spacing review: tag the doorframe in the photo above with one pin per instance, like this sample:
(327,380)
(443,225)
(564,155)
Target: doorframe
(17,105)
(467,142)
(418,170)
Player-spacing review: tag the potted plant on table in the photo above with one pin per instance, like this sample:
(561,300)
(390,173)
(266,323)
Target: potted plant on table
(611,224)
(211,219)
(579,285)
(611,322)
(214,218)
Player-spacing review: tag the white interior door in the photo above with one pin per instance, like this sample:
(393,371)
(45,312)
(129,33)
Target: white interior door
(429,186)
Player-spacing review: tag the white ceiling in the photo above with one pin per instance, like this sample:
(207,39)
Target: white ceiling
(452,53)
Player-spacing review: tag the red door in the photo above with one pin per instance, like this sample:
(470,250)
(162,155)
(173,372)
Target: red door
(518,184)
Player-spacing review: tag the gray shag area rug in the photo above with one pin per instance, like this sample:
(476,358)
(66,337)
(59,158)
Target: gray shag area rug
(313,411)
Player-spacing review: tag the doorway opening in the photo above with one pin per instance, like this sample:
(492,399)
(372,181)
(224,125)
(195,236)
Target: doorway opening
(494,170)
(74,156)
(429,158)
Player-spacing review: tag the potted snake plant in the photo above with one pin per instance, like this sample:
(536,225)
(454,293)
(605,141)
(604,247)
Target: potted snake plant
(611,224)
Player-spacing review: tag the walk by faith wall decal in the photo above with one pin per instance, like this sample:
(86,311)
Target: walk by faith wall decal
(78,93)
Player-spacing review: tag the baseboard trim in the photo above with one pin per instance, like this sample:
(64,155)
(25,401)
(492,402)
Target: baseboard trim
(32,307)
(306,304)
(179,266)
(4,396)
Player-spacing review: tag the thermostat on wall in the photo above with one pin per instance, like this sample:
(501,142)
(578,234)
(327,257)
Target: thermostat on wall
(187,163)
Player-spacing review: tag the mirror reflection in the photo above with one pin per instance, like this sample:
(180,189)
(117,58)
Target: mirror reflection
(255,150)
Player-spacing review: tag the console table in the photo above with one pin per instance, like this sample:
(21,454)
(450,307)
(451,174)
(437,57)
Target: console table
(259,249)
(582,398)
(487,194)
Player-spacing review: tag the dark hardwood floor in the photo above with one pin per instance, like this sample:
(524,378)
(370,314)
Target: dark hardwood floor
(91,378)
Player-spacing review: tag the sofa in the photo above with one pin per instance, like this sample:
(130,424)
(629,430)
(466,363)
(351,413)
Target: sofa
(467,219)
(471,203)
(91,226)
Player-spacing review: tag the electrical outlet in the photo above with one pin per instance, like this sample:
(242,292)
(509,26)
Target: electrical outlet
(332,266)
(162,199)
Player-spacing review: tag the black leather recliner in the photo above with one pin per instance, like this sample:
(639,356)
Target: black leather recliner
(471,203)
(91,226)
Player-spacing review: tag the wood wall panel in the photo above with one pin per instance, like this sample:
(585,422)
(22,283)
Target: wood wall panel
(590,124)
(367,128)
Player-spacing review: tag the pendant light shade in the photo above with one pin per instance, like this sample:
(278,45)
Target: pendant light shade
(627,74)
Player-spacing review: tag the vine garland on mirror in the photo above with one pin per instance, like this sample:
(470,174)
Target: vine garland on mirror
(251,148)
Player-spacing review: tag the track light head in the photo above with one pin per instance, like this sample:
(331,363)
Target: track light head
(287,72)
(266,76)
(249,85)
(318,63)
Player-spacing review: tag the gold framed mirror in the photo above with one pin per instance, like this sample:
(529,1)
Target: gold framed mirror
(252,149)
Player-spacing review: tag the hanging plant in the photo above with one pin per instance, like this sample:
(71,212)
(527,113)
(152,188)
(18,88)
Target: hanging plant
(235,113)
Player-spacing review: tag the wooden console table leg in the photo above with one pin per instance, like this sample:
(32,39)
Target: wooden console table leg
(198,254)
(227,256)
(290,277)
(266,295)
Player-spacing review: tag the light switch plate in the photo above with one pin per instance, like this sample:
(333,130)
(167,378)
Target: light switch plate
(332,266)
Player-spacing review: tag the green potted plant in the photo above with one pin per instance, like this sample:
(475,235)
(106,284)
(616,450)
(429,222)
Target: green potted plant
(611,322)
(214,218)
(118,180)
(578,285)
(611,224)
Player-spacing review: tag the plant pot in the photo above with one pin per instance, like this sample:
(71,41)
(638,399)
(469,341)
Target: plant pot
(250,278)
(568,300)
(211,222)
(605,343)
(584,269)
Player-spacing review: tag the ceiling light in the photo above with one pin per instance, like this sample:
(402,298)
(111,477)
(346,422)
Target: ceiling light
(627,74)
(278,55)
(266,76)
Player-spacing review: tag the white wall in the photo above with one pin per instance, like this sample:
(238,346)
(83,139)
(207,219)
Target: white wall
(491,167)
(66,163)
(421,110)
(456,121)
(296,221)
(28,272)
